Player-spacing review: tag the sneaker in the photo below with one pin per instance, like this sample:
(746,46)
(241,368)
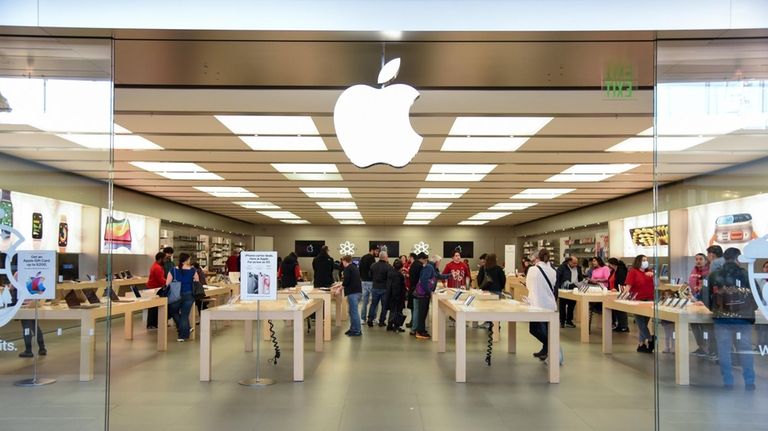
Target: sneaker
(180,340)
(382,324)
(651,344)
(348,332)
(355,334)
(643,349)
(700,353)
(412,332)
(42,351)
(370,323)
(620,329)
(540,354)
(408,325)
(562,325)
(151,327)
(569,325)
(398,330)
(750,387)
(26,354)
(422,336)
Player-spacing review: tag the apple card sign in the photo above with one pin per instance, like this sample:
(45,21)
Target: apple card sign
(466,248)
(373,125)
(308,248)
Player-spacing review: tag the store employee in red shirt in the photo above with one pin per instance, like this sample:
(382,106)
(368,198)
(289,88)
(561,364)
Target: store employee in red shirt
(459,271)
(640,283)
(156,280)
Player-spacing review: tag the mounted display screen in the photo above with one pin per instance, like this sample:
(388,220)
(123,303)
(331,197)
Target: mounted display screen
(308,248)
(466,248)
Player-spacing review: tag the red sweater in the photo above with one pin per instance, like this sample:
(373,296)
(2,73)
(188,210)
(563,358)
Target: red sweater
(156,276)
(459,273)
(641,284)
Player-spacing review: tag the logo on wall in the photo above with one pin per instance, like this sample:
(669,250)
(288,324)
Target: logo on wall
(421,247)
(754,250)
(347,248)
(373,125)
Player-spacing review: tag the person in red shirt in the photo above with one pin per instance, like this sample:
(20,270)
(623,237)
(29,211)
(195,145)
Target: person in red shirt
(640,284)
(459,271)
(233,261)
(156,280)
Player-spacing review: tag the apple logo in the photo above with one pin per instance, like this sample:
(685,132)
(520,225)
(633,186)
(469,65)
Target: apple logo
(373,125)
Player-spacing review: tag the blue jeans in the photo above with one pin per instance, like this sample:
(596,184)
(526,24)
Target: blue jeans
(420,311)
(355,325)
(367,287)
(642,326)
(726,338)
(376,296)
(179,311)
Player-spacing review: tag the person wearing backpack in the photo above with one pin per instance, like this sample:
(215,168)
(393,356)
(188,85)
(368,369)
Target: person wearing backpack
(729,296)
(422,294)
(540,282)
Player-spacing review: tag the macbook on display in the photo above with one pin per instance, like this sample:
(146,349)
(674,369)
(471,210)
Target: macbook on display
(73,301)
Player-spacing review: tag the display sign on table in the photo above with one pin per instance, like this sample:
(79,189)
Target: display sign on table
(37,273)
(730,223)
(466,248)
(258,275)
(391,247)
(308,248)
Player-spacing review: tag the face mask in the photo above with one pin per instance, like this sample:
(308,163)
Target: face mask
(644,265)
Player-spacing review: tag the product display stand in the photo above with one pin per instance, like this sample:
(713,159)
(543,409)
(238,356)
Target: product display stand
(35,381)
(258,380)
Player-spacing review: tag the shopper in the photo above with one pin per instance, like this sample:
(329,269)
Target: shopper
(322,265)
(423,292)
(729,296)
(460,276)
(156,280)
(618,278)
(527,263)
(379,274)
(28,328)
(540,282)
(494,279)
(396,297)
(715,257)
(180,309)
(600,273)
(366,262)
(352,290)
(586,268)
(699,273)
(640,284)
(414,272)
(289,273)
(233,261)
(568,275)
(481,270)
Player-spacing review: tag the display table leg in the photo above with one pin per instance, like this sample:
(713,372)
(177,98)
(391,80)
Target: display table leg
(127,325)
(326,319)
(298,348)
(554,349)
(511,337)
(162,327)
(682,370)
(319,332)
(461,348)
(607,330)
(584,320)
(87,347)
(192,321)
(496,331)
(439,331)
(205,347)
(433,308)
(248,335)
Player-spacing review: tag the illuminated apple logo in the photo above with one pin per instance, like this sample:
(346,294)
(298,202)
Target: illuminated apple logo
(373,125)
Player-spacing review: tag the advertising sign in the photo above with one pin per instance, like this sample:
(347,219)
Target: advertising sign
(641,235)
(37,273)
(258,276)
(728,224)
(47,224)
(123,232)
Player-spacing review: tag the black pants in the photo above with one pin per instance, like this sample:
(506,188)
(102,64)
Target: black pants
(566,310)
(27,329)
(396,303)
(540,331)
(620,319)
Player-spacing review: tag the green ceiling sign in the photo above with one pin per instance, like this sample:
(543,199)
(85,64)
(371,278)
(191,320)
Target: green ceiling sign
(619,81)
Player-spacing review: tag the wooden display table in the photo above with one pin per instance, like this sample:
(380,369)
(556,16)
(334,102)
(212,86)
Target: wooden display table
(270,310)
(326,297)
(494,311)
(448,294)
(223,292)
(100,285)
(516,287)
(582,303)
(87,318)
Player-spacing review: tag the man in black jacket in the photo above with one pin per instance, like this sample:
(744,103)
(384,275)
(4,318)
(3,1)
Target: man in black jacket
(322,265)
(568,273)
(352,291)
(379,273)
(414,272)
(365,275)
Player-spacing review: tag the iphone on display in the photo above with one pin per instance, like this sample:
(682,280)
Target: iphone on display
(6,213)
(37,226)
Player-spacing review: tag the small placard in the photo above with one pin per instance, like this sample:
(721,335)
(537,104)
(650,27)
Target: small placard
(37,273)
(258,275)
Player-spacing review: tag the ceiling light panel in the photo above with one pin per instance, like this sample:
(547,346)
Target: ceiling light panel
(431,193)
(459,172)
(591,172)
(418,215)
(472,222)
(511,206)
(258,205)
(663,144)
(309,171)
(284,143)
(489,215)
(541,193)
(351,222)
(177,171)
(498,126)
(300,221)
(280,215)
(430,205)
(124,140)
(337,205)
(326,192)
(227,192)
(482,143)
(269,124)
(345,215)
(416,222)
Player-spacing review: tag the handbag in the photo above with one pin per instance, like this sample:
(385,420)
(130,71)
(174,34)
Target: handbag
(174,289)
(731,302)
(198,291)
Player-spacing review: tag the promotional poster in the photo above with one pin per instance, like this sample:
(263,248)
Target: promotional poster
(124,232)
(728,224)
(641,235)
(258,275)
(47,224)
(37,273)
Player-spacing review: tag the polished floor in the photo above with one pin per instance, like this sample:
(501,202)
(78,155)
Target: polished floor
(381,381)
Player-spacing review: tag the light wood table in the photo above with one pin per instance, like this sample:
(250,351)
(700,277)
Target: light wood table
(582,303)
(448,294)
(211,291)
(100,285)
(327,297)
(270,310)
(504,311)
(682,319)
(516,287)
(87,318)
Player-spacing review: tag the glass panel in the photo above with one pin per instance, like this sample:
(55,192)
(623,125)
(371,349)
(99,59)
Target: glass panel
(711,146)
(55,123)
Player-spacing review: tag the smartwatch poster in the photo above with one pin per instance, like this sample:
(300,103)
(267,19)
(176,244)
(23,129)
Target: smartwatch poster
(730,223)
(37,273)
(258,276)
(47,224)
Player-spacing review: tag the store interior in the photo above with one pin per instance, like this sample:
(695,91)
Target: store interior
(527,144)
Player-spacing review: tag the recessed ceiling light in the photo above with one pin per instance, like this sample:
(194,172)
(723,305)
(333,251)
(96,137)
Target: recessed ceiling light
(351,222)
(417,215)
(541,193)
(269,124)
(663,143)
(511,206)
(482,143)
(177,170)
(473,222)
(228,192)
(489,215)
(591,172)
(345,215)
(327,192)
(124,140)
(429,193)
(430,205)
(337,205)
(309,171)
(258,205)
(459,172)
(285,143)
(416,222)
(300,221)
(498,126)
(279,214)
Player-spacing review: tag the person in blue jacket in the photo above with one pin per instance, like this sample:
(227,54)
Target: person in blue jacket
(422,293)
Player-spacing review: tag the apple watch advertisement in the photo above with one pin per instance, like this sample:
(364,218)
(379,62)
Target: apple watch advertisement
(308,248)
(730,223)
(39,218)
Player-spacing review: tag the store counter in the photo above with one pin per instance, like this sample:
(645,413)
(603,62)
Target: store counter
(448,294)
(222,293)
(495,311)
(516,287)
(582,306)
(87,318)
(100,285)
(269,310)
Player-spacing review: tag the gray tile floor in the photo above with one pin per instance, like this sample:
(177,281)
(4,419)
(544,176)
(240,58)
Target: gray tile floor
(381,381)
